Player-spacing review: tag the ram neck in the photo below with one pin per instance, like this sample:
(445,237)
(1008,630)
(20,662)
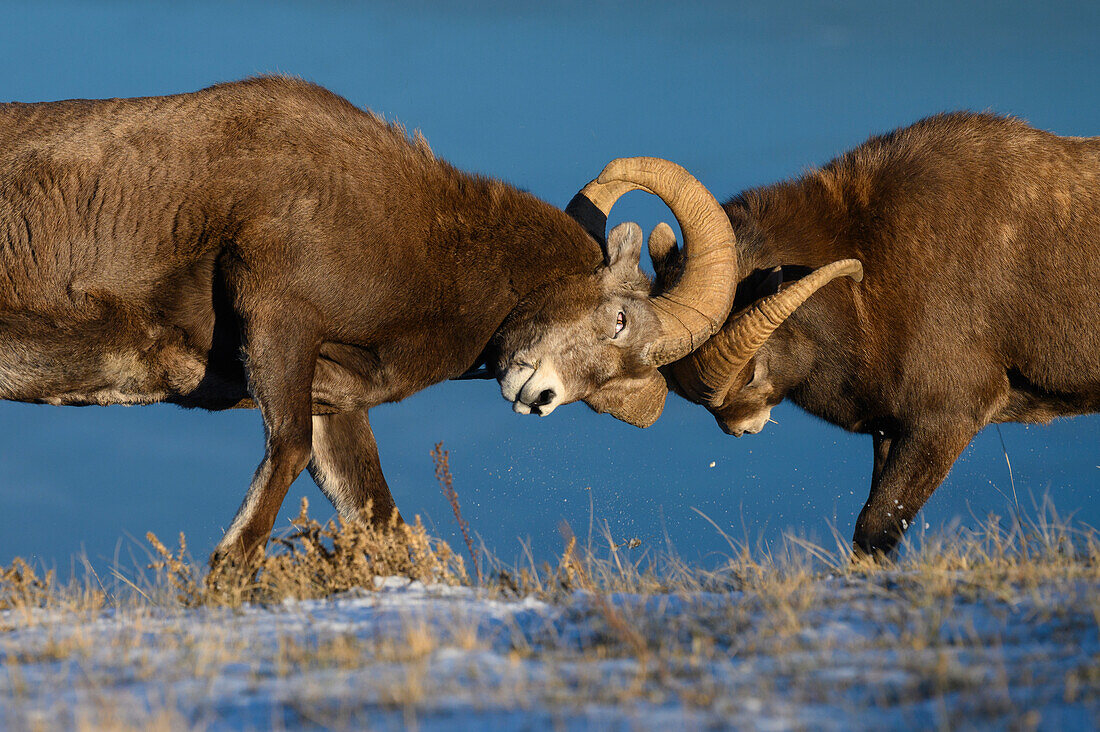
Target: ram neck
(489,247)
(804,222)
(508,241)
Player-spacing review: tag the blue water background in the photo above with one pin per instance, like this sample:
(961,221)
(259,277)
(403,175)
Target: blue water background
(542,95)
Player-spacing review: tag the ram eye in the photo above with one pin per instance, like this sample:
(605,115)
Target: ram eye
(620,322)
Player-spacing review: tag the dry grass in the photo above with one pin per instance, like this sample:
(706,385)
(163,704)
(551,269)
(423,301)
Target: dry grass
(635,628)
(1001,559)
(21,587)
(442,460)
(316,560)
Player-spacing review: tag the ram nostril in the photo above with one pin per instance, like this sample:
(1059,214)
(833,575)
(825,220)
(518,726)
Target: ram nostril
(545,397)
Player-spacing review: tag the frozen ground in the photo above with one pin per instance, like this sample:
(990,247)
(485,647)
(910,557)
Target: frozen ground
(898,649)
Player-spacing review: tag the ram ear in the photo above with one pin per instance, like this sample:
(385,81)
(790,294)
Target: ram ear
(624,247)
(668,260)
(636,401)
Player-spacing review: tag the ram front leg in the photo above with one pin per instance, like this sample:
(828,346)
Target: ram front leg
(908,468)
(282,353)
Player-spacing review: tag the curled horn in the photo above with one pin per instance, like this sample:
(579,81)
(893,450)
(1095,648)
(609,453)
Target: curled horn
(713,368)
(695,308)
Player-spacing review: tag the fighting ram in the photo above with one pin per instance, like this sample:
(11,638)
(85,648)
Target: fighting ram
(266,243)
(968,251)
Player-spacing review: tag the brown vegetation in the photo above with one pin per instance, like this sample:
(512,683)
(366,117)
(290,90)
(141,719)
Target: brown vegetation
(316,560)
(735,643)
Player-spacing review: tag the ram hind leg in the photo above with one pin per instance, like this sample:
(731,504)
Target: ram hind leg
(908,468)
(281,353)
(345,466)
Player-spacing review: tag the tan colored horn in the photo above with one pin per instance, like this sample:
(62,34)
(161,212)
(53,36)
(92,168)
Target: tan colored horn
(696,307)
(711,371)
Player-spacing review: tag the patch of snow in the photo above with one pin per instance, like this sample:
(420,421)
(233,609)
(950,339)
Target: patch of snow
(860,655)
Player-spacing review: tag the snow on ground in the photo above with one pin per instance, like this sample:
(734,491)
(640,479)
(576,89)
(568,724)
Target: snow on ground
(830,652)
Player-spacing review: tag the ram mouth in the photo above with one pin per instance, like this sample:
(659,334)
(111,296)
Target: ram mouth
(541,410)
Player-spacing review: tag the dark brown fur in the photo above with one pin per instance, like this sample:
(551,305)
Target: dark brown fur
(257,242)
(980,242)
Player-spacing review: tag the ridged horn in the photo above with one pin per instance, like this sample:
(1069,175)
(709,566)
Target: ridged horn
(710,373)
(696,307)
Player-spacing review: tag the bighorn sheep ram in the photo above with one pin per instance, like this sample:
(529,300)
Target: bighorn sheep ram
(266,243)
(972,244)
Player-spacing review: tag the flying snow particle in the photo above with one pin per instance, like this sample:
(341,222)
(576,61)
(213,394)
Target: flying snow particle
(712,463)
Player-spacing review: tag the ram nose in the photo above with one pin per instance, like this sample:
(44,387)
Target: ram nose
(542,393)
(751,426)
(533,390)
(730,429)
(542,404)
